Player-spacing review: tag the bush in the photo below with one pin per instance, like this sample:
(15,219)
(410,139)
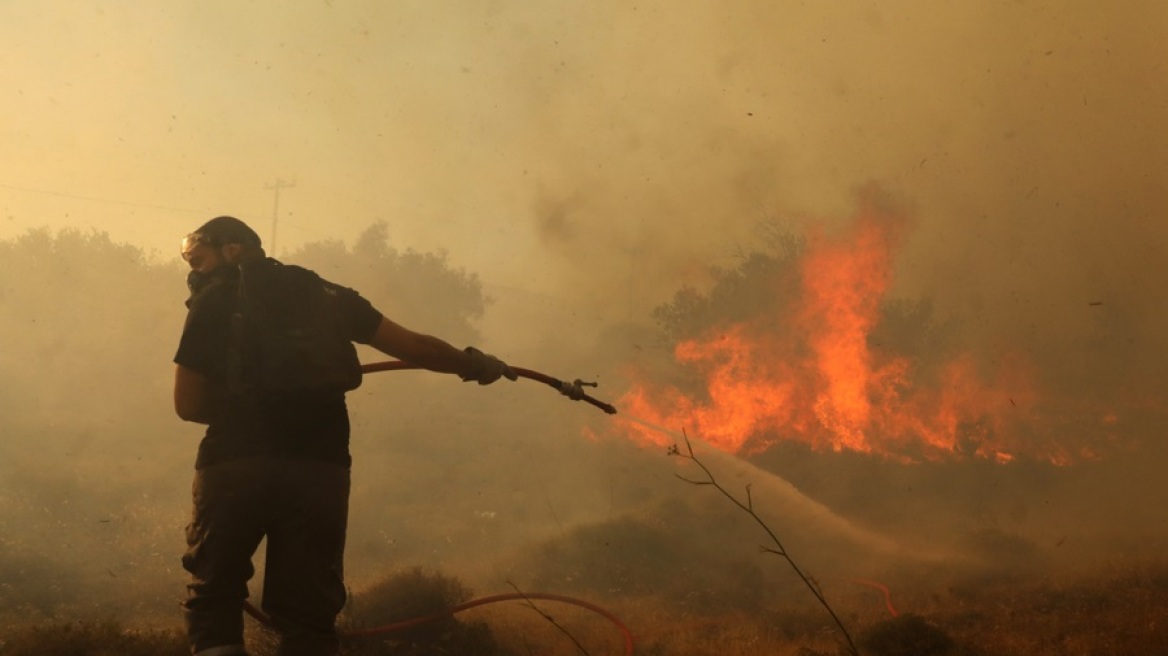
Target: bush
(907,635)
(407,595)
(660,551)
(99,639)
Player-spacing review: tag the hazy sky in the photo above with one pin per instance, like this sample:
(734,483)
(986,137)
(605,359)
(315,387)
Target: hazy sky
(603,151)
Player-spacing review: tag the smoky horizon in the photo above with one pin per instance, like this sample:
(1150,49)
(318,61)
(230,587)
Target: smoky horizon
(894,271)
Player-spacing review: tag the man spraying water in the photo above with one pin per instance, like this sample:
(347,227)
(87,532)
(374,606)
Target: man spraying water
(264,361)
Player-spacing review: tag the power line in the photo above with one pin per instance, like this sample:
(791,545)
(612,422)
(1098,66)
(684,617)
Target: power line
(276,187)
(185,210)
(108,201)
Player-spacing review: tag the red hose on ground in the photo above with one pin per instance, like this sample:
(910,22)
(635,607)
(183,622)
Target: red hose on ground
(482,601)
(877,585)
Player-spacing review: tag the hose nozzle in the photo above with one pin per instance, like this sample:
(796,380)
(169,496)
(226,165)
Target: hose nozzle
(575,389)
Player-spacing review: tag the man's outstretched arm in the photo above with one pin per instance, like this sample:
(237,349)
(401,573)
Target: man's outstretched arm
(435,354)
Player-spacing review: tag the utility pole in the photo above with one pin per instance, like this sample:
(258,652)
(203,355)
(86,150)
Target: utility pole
(279,184)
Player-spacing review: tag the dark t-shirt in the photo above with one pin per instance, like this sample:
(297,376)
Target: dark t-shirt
(307,425)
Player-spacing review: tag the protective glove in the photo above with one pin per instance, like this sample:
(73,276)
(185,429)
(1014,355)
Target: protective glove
(486,369)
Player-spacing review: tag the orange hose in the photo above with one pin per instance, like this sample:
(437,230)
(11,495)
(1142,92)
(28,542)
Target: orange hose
(882,588)
(482,601)
(571,390)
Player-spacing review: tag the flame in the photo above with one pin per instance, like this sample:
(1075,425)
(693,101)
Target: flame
(805,371)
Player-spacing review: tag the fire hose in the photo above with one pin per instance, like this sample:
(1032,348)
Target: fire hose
(574,391)
(377,631)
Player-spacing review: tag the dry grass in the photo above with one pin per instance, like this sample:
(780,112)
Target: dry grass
(92,639)
(1123,612)
(685,575)
(1119,613)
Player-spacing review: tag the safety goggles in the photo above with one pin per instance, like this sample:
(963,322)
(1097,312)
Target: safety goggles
(193,241)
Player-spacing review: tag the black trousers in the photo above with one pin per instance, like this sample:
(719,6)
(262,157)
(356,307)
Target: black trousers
(301,507)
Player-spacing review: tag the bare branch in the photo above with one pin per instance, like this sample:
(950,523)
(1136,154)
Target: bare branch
(551,620)
(693,482)
(778,549)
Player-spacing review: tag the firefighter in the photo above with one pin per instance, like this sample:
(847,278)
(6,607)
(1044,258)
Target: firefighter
(275,464)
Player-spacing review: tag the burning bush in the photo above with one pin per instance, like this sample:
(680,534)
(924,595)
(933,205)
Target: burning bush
(806,344)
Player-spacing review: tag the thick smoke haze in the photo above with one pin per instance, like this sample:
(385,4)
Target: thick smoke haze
(607,146)
(581,162)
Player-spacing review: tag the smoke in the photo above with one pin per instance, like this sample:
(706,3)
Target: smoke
(620,150)
(1019,134)
(586,161)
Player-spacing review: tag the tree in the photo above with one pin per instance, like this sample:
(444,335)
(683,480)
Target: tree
(84,327)
(421,291)
(767,285)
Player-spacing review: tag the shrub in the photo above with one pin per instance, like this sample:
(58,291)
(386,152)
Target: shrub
(98,639)
(407,595)
(906,635)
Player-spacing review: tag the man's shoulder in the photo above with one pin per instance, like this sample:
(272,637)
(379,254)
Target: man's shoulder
(277,270)
(277,277)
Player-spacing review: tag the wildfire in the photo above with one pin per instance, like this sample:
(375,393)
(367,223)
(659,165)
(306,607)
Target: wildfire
(813,375)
